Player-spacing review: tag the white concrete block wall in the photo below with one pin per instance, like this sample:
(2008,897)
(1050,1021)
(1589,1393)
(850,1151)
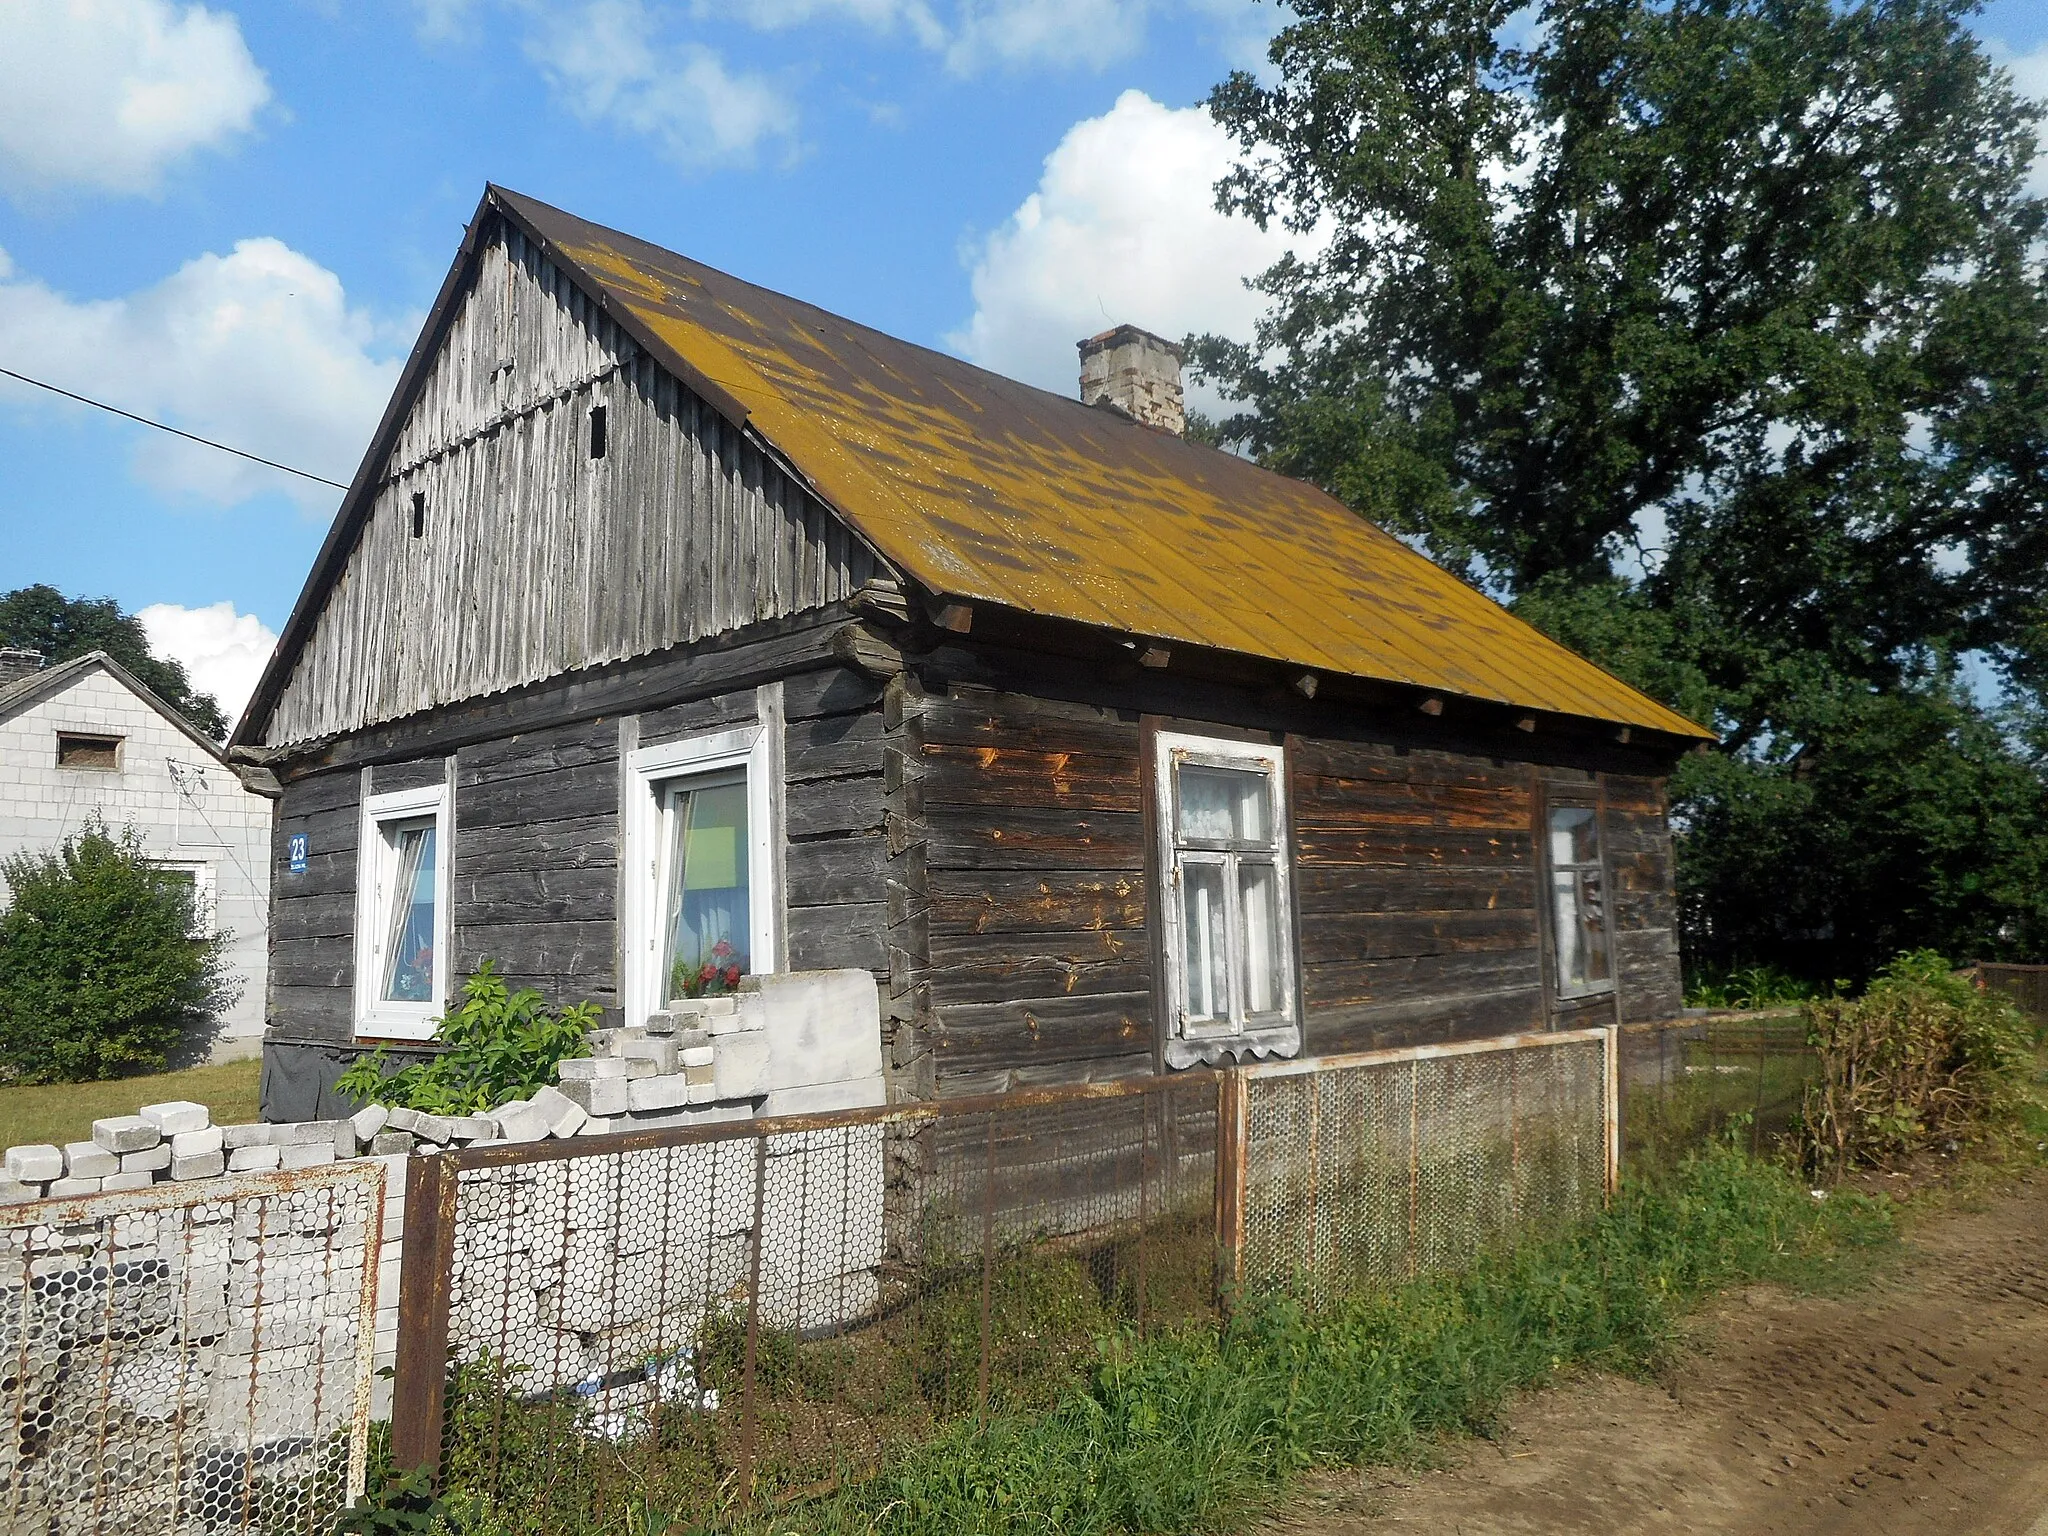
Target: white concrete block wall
(188,806)
(573,1266)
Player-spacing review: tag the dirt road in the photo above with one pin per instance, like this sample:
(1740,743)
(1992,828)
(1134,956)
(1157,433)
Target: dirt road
(1919,1405)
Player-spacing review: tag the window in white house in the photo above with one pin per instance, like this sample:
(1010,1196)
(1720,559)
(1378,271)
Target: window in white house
(402,914)
(1578,901)
(101,754)
(1229,925)
(197,879)
(702,911)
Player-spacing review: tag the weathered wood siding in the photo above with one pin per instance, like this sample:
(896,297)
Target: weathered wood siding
(533,558)
(837,855)
(313,915)
(1038,964)
(533,879)
(1417,885)
(1637,837)
(1021,898)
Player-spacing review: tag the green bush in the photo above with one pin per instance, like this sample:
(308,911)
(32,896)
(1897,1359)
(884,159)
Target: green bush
(501,1045)
(1923,1057)
(99,973)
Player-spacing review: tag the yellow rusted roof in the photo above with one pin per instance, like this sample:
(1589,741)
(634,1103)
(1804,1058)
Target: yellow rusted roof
(984,489)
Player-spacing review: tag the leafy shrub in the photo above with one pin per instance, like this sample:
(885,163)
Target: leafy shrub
(501,1045)
(1923,1057)
(99,973)
(1749,986)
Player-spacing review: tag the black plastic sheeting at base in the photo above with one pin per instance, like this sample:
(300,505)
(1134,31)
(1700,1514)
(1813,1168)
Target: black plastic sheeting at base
(299,1076)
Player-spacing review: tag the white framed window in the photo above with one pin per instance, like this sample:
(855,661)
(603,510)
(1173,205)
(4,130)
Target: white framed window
(1228,906)
(196,875)
(702,903)
(402,914)
(1578,900)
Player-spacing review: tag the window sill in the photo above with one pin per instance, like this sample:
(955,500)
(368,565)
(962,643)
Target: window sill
(1282,1040)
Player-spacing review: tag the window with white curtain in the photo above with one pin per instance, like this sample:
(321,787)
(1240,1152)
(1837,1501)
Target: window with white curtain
(1222,813)
(1578,901)
(402,914)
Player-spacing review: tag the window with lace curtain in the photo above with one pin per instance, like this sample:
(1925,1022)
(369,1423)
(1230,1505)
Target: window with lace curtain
(1222,816)
(1578,901)
(402,914)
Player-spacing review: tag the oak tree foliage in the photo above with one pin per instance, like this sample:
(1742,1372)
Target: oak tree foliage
(1713,336)
(40,618)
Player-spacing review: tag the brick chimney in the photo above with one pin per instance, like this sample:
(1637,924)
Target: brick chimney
(1136,372)
(17,664)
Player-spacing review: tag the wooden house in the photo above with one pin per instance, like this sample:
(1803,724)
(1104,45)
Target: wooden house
(674,624)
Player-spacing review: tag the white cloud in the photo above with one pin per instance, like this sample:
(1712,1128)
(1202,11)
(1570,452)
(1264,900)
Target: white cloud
(2030,77)
(108,94)
(1017,34)
(1123,228)
(222,651)
(608,63)
(914,16)
(258,349)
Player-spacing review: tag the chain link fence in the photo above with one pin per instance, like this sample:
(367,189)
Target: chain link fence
(759,1310)
(1370,1170)
(1733,1075)
(717,1316)
(189,1358)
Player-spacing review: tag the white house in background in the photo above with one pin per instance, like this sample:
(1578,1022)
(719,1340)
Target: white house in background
(86,736)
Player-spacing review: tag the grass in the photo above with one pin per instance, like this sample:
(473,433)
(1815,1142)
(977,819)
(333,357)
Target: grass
(1198,1429)
(61,1112)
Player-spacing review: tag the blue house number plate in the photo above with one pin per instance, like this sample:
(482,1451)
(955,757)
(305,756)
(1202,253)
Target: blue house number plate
(295,848)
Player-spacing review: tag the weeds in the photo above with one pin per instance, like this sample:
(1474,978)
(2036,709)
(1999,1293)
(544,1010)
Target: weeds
(1194,1430)
(1922,1058)
(1750,986)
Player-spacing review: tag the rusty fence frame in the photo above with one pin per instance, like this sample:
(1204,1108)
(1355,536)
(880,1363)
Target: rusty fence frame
(1233,1122)
(103,1209)
(428,1279)
(426,1276)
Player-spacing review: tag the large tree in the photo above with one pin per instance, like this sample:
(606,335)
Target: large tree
(1714,335)
(40,618)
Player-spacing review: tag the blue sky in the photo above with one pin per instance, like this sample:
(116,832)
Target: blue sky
(234,216)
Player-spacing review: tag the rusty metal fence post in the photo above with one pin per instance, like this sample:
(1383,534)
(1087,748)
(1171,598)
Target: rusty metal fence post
(1610,1106)
(425,1290)
(749,1407)
(1231,1129)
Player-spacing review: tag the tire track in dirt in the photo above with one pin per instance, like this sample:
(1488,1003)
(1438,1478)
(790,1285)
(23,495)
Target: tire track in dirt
(1917,1406)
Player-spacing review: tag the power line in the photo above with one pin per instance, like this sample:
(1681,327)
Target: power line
(207,442)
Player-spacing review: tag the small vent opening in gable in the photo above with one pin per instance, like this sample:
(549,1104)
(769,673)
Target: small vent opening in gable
(101,754)
(419,514)
(598,441)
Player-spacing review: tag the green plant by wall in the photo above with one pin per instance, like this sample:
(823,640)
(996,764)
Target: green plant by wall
(500,1045)
(1749,986)
(99,972)
(1922,1058)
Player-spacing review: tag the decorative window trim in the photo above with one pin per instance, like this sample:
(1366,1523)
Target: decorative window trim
(1276,1033)
(205,894)
(1575,798)
(649,771)
(377,1018)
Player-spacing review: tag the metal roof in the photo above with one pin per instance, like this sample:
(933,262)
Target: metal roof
(984,489)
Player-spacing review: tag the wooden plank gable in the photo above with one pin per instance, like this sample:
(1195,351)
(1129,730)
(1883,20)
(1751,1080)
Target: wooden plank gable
(498,548)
